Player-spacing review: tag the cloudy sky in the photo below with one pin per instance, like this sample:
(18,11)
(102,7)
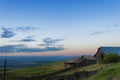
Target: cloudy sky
(58,27)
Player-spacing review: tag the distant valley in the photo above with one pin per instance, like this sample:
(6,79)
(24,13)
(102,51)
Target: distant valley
(26,61)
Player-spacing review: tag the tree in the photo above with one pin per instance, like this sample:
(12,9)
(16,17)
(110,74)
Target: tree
(110,58)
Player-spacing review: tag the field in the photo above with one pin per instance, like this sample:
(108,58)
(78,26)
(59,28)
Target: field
(43,71)
(35,71)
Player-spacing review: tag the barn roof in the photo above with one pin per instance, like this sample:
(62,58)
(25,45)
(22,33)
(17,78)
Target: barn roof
(75,60)
(107,50)
(80,59)
(89,57)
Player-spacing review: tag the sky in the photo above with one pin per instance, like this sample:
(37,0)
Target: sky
(58,27)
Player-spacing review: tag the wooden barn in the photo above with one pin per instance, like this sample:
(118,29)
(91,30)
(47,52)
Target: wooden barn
(106,50)
(81,61)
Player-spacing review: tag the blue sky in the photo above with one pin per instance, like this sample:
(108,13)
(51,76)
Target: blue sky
(58,27)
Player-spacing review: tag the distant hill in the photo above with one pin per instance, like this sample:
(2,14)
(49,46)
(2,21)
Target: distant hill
(25,61)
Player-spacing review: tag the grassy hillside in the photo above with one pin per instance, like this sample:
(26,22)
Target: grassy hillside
(36,71)
(87,68)
(110,73)
(30,72)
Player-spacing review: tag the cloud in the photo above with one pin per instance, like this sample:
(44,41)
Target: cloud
(49,42)
(27,39)
(115,25)
(100,32)
(112,28)
(23,48)
(26,28)
(7,33)
(10,48)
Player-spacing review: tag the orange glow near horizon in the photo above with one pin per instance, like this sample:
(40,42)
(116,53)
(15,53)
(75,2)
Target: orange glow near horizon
(70,52)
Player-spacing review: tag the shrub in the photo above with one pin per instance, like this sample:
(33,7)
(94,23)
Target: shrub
(110,58)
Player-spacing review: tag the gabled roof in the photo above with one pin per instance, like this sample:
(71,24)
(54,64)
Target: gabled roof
(75,60)
(89,57)
(107,50)
(80,59)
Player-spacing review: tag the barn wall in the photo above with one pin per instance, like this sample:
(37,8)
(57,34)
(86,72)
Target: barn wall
(89,62)
(99,54)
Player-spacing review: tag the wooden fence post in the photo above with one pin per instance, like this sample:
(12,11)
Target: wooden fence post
(4,73)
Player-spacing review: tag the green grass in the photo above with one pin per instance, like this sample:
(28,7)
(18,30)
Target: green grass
(36,71)
(44,69)
(86,68)
(109,73)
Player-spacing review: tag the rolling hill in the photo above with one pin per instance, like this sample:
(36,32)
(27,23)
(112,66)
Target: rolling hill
(57,69)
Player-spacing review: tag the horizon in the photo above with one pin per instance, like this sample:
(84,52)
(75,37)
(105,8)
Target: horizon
(58,27)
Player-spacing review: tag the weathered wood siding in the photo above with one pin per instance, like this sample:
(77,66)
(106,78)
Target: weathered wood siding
(99,54)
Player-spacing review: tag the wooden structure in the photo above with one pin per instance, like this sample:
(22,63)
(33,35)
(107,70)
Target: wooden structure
(106,50)
(87,60)
(81,61)
(5,68)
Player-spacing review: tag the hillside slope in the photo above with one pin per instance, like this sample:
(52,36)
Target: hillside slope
(29,72)
(109,73)
(45,71)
